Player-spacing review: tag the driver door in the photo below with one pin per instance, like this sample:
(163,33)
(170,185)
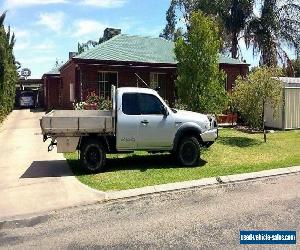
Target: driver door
(155,129)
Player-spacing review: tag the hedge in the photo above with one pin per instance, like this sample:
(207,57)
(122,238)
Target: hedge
(8,70)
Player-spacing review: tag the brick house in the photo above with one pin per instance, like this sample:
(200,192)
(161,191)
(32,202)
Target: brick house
(123,61)
(52,89)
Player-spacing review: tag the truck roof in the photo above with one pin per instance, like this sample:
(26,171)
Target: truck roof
(136,90)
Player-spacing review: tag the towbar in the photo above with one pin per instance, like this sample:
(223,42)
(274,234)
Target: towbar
(51,146)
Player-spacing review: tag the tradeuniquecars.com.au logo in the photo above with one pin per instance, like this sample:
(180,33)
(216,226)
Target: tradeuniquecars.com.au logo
(268,237)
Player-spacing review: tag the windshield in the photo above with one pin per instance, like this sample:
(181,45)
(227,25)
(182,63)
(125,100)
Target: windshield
(26,94)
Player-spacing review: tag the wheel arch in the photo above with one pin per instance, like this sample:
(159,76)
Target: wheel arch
(185,131)
(101,140)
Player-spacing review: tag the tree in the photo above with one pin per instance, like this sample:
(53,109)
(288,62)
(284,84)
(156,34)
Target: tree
(200,83)
(231,15)
(18,66)
(169,31)
(185,9)
(292,69)
(90,43)
(234,15)
(277,25)
(86,46)
(8,69)
(252,94)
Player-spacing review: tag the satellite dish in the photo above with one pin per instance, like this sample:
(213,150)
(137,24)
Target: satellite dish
(25,72)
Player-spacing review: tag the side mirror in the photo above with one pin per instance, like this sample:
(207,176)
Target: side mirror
(164,110)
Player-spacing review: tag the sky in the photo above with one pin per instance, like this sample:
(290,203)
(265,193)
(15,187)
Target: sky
(47,30)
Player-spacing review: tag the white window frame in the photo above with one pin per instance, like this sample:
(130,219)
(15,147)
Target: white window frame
(101,82)
(154,84)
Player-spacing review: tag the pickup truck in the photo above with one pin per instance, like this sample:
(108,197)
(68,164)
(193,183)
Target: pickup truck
(139,120)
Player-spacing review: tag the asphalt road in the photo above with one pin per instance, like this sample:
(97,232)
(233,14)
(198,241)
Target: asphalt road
(197,218)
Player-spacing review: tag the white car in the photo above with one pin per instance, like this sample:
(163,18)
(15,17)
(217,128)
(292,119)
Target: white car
(140,120)
(26,99)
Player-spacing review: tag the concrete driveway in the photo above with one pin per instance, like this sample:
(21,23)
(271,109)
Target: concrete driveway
(31,179)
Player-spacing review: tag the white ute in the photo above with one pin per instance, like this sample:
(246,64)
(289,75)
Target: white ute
(139,120)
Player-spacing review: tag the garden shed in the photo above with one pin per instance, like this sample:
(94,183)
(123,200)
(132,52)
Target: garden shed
(289,112)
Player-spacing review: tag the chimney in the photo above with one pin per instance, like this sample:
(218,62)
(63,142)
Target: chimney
(72,54)
(110,33)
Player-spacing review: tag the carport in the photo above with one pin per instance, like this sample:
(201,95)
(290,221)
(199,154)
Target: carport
(33,85)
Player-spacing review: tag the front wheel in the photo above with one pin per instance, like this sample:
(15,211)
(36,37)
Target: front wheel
(92,156)
(188,152)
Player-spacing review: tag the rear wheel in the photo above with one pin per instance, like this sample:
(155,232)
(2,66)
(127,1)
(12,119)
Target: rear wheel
(93,156)
(188,151)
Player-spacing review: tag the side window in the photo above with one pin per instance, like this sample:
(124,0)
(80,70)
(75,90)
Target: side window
(130,105)
(150,104)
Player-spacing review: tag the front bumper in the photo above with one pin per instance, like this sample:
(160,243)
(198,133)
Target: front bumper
(26,104)
(210,135)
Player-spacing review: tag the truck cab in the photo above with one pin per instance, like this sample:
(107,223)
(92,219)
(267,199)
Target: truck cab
(140,120)
(146,122)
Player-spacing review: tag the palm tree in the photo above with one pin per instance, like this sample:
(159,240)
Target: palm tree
(2,18)
(276,28)
(234,15)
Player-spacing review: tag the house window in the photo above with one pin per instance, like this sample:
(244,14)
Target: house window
(105,80)
(159,80)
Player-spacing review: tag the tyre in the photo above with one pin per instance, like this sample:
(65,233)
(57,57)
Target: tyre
(93,156)
(188,151)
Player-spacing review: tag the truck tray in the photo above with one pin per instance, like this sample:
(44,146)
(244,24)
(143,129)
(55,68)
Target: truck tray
(76,122)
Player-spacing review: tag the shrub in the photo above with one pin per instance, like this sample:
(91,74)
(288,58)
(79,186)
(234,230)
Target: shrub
(200,83)
(93,101)
(252,94)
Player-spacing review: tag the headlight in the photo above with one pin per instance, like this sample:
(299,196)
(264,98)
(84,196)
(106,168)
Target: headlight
(212,121)
(209,117)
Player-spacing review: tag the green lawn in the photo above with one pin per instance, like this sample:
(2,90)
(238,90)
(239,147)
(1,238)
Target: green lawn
(234,152)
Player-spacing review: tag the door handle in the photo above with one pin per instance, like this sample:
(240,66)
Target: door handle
(144,122)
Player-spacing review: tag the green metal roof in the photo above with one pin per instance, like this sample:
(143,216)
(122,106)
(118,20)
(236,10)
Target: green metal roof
(54,71)
(128,48)
(229,60)
(132,49)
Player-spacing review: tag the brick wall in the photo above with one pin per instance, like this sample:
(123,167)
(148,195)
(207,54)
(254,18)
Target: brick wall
(126,78)
(51,92)
(68,76)
(232,72)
